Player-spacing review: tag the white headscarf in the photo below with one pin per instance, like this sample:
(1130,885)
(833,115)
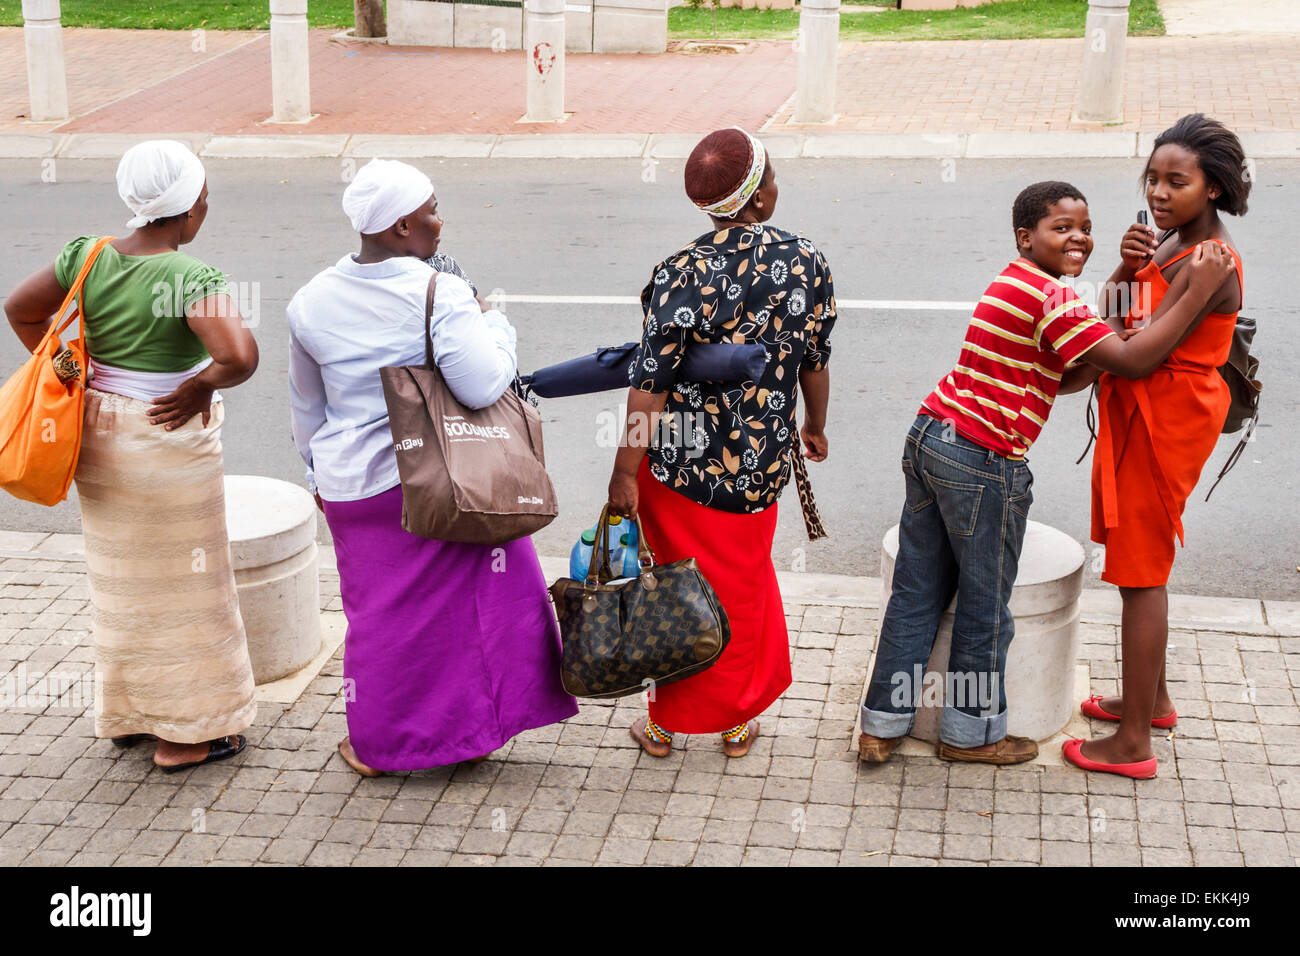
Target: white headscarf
(383,191)
(159,178)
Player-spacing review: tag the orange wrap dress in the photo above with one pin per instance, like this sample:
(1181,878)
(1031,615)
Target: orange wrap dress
(1154,437)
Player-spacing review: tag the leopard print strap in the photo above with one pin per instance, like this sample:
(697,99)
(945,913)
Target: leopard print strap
(811,519)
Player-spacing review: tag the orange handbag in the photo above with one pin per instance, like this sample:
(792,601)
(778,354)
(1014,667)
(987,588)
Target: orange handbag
(40,414)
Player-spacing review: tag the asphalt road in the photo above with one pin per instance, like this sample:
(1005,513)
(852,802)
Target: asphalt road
(897,230)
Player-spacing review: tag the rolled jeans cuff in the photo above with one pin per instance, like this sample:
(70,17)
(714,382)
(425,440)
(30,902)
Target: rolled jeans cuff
(879,723)
(963,730)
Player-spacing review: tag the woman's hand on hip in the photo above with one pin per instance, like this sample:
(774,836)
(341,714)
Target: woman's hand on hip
(193,397)
(814,443)
(623,494)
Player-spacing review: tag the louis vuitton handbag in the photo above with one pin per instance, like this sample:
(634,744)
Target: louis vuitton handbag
(623,636)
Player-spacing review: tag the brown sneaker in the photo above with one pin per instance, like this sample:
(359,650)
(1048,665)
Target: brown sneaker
(876,749)
(1008,750)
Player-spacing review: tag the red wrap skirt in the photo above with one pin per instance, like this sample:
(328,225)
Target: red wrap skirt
(734,551)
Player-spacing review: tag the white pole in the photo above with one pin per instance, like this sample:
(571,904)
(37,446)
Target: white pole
(544,60)
(290,69)
(1101,84)
(819,41)
(47,82)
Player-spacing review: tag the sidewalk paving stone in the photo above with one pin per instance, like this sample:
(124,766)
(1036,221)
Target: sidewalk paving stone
(581,793)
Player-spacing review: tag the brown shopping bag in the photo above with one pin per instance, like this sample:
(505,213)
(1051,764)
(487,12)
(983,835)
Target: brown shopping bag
(475,475)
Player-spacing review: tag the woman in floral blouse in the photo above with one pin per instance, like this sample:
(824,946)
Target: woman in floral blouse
(720,454)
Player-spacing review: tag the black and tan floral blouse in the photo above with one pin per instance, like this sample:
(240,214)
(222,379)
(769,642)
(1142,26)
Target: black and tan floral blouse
(729,446)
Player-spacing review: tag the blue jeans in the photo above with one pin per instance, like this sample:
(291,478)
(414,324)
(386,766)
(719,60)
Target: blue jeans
(961,532)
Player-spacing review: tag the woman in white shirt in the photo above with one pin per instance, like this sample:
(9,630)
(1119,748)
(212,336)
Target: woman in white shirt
(452,649)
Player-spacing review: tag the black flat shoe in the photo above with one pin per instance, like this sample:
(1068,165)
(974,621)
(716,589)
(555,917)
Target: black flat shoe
(218,749)
(130,740)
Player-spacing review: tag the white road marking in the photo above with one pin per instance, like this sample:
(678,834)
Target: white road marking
(884,305)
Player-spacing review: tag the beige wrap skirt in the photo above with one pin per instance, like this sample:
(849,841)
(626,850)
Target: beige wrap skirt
(171,658)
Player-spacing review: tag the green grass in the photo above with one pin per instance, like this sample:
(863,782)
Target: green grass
(181,14)
(1006,20)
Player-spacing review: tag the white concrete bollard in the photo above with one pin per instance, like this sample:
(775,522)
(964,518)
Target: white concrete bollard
(47,82)
(272,528)
(819,41)
(290,66)
(1101,83)
(544,60)
(1045,649)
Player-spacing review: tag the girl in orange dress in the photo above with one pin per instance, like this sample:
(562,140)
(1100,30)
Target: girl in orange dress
(1156,433)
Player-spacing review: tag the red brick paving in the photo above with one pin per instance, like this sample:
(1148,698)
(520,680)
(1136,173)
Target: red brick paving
(142,81)
(369,88)
(104,65)
(1028,86)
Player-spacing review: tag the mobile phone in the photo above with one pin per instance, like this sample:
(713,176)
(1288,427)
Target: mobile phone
(1142,322)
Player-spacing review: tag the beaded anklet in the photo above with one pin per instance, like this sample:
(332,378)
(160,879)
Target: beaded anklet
(736,735)
(657,733)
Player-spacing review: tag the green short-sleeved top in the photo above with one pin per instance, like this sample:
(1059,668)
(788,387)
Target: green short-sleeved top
(135,305)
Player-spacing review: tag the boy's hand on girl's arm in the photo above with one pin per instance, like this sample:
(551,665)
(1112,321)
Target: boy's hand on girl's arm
(1185,304)
(1211,265)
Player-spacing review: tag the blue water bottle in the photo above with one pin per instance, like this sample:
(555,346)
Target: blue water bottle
(580,556)
(631,556)
(616,549)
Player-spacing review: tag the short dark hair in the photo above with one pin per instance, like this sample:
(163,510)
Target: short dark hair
(1218,152)
(1035,202)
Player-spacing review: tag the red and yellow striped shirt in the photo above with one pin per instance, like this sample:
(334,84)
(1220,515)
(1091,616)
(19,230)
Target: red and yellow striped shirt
(1027,327)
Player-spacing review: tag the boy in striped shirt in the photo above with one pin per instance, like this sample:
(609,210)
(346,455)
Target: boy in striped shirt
(968,484)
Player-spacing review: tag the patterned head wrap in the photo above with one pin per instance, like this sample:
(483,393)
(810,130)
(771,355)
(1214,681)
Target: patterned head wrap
(733,203)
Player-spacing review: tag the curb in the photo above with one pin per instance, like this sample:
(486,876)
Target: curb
(1098,606)
(1267,144)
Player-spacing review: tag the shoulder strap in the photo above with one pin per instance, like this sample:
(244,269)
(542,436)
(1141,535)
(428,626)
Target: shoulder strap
(1235,456)
(428,319)
(1089,419)
(74,292)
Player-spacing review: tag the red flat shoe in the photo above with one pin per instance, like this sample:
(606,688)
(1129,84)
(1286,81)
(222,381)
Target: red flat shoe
(1092,708)
(1072,751)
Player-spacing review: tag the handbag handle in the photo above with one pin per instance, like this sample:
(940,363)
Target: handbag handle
(645,556)
(429,295)
(55,328)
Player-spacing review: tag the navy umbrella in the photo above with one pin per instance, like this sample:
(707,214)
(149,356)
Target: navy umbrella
(607,368)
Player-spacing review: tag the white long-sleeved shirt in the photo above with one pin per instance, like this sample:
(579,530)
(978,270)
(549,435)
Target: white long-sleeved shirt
(350,321)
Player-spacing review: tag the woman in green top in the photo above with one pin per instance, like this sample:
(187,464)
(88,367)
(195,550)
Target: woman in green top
(163,335)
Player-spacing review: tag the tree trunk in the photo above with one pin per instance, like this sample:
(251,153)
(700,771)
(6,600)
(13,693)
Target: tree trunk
(370,18)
